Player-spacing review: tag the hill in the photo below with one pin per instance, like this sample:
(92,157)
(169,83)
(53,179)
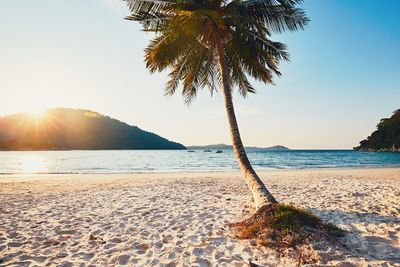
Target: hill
(223,146)
(75,129)
(385,138)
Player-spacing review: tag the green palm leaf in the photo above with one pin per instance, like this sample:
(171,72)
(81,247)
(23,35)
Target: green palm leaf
(188,31)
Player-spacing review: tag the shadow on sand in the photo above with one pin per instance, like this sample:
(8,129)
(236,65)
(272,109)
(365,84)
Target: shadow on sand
(370,235)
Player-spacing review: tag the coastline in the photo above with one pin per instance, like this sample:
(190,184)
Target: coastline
(176,219)
(194,172)
(131,162)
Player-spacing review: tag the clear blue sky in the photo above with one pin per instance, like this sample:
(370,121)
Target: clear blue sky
(344,75)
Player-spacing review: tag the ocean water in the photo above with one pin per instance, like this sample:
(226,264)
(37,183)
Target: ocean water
(137,161)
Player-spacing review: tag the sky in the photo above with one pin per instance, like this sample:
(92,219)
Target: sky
(343,77)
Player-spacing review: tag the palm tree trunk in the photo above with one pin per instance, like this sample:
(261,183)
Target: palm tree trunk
(260,193)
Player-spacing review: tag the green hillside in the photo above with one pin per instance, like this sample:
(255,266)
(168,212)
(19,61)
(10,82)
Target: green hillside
(385,138)
(75,129)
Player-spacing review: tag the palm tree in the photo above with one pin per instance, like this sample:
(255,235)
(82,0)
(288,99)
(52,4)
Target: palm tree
(206,43)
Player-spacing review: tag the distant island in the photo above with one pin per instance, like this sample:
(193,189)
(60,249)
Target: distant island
(385,138)
(75,129)
(223,146)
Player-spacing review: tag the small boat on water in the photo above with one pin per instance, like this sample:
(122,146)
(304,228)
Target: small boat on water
(207,150)
(219,151)
(190,151)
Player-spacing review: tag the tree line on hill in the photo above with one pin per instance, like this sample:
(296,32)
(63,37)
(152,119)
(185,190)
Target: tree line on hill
(75,129)
(385,138)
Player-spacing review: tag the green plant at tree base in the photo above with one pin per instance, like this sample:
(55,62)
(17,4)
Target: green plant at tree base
(284,225)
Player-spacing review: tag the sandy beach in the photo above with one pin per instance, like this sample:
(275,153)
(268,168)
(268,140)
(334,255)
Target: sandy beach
(180,219)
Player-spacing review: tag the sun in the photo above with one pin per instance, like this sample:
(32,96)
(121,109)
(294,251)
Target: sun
(38,113)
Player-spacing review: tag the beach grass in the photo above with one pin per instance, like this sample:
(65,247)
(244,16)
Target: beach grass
(282,225)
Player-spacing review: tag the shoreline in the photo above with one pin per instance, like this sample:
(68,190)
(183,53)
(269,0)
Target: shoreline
(199,172)
(175,219)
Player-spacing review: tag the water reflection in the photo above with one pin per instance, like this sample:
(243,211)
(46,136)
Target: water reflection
(130,161)
(33,163)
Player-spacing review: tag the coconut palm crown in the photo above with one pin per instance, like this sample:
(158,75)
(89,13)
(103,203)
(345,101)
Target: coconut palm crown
(218,44)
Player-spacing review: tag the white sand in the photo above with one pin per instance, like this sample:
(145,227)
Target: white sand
(180,218)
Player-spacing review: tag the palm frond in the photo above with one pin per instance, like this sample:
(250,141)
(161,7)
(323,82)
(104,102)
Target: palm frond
(188,31)
(165,49)
(136,6)
(197,72)
(175,76)
(277,16)
(150,13)
(240,80)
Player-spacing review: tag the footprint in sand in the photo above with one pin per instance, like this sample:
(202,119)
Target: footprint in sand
(115,240)
(123,259)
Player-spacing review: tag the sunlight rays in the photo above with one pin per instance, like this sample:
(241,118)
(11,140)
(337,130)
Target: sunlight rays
(38,113)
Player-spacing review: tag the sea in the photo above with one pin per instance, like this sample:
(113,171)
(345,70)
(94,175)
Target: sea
(144,161)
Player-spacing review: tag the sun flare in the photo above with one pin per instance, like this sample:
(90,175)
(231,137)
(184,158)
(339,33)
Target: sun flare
(38,113)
